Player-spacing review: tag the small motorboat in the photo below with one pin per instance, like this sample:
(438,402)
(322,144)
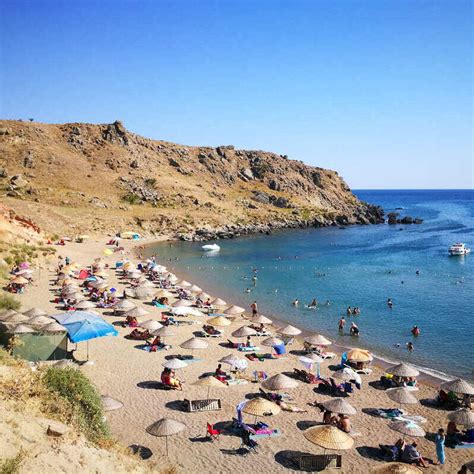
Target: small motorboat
(459,249)
(211,248)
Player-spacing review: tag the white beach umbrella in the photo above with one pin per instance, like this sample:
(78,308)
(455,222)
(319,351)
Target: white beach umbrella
(136,312)
(186,311)
(347,374)
(175,364)
(184,284)
(218,302)
(124,305)
(234,310)
(195,289)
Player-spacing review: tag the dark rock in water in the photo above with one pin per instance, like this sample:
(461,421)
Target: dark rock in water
(399,208)
(406,220)
(417,220)
(392,217)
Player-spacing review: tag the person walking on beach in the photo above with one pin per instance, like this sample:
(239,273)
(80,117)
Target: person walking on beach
(254,308)
(342,323)
(440,440)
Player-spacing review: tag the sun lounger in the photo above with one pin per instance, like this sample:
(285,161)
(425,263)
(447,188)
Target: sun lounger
(202,405)
(464,446)
(206,334)
(319,462)
(244,348)
(212,432)
(364,371)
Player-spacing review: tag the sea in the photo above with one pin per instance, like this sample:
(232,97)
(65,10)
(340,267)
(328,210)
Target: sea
(359,266)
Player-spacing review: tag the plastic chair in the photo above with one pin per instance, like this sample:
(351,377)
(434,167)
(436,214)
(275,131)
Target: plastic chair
(212,432)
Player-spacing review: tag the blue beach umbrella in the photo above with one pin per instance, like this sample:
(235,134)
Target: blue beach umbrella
(83,326)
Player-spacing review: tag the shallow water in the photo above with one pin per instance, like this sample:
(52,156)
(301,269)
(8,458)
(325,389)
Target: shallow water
(360,266)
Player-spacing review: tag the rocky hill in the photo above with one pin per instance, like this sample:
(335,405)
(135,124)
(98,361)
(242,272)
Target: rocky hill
(88,178)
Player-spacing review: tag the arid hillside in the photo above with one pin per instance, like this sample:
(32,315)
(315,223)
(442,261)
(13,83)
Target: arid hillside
(79,178)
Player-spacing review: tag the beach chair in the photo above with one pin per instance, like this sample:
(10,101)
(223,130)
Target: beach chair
(337,390)
(194,406)
(319,462)
(248,444)
(244,348)
(212,432)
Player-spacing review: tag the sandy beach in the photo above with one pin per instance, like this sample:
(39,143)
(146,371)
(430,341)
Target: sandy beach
(121,369)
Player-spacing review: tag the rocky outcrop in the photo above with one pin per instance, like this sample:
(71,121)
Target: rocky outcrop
(394,219)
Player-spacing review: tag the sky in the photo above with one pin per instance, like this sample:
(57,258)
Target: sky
(379,90)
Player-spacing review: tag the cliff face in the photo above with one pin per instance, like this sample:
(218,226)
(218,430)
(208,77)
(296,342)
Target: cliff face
(59,173)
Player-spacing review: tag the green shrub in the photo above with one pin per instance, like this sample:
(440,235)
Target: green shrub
(86,403)
(12,465)
(8,302)
(132,198)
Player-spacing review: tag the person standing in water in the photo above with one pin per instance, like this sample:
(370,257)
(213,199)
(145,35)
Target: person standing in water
(390,303)
(342,323)
(295,302)
(254,308)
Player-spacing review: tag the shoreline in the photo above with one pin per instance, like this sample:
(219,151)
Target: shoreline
(431,379)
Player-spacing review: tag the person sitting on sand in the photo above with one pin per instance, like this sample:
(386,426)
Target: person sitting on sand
(344,424)
(249,342)
(411,455)
(131,321)
(168,379)
(219,372)
(452,433)
(328,418)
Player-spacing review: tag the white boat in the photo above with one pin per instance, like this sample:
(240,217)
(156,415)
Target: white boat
(459,249)
(211,247)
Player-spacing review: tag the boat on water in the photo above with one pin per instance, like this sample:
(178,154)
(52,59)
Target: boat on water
(459,249)
(211,248)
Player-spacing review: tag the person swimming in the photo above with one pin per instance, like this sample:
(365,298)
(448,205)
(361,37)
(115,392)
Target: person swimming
(313,303)
(390,303)
(349,311)
(410,346)
(415,330)
(295,302)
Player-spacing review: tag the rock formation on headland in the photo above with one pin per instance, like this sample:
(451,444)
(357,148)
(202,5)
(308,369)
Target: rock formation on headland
(84,178)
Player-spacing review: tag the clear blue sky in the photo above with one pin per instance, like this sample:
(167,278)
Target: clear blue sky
(380,90)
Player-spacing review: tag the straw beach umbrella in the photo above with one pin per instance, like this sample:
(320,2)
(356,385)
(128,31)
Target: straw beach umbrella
(218,302)
(464,417)
(110,403)
(289,330)
(124,305)
(209,382)
(180,303)
(234,310)
(186,311)
(272,342)
(244,331)
(31,313)
(458,386)
(85,305)
(359,355)
(20,329)
(184,284)
(204,296)
(279,382)
(219,321)
(260,319)
(194,343)
(151,325)
(164,294)
(165,331)
(340,406)
(53,327)
(329,437)
(401,395)
(317,340)
(175,364)
(4,315)
(260,407)
(16,318)
(403,370)
(195,289)
(39,321)
(136,312)
(407,429)
(164,428)
(19,280)
(396,468)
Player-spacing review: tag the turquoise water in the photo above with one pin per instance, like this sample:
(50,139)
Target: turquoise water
(360,266)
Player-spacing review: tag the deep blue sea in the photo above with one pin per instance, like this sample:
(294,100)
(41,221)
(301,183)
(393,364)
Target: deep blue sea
(360,266)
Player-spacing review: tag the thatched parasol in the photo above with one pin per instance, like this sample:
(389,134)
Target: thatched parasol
(151,325)
(340,406)
(279,382)
(19,280)
(136,312)
(85,305)
(401,395)
(359,355)
(219,321)
(272,342)
(165,331)
(458,386)
(175,364)
(124,305)
(407,429)
(164,428)
(317,340)
(195,289)
(464,417)
(218,302)
(204,296)
(244,331)
(20,329)
(110,403)
(194,343)
(31,313)
(261,407)
(164,294)
(179,303)
(260,319)
(16,318)
(289,330)
(53,328)
(403,370)
(234,310)
(329,437)
(209,382)
(4,315)
(40,321)
(184,284)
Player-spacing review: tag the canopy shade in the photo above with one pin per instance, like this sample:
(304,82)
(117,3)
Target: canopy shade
(136,312)
(210,381)
(340,406)
(234,310)
(175,364)
(181,303)
(87,329)
(346,375)
(403,370)
(194,343)
(359,355)
(110,403)
(31,313)
(458,386)
(244,331)
(260,319)
(272,342)
(408,428)
(317,340)
(329,437)
(261,407)
(279,382)
(464,417)
(165,427)
(289,330)
(401,395)
(219,321)
(218,302)
(151,325)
